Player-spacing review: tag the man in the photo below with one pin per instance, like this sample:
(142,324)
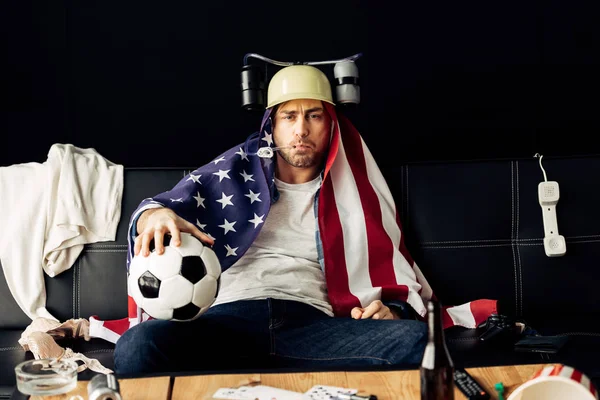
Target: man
(321,279)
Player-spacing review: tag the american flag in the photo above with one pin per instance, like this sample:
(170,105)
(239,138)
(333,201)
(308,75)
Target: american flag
(365,258)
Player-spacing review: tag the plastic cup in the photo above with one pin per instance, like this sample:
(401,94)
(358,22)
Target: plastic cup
(556,382)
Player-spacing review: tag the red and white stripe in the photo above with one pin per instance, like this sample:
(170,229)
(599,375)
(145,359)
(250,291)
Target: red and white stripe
(111,330)
(568,373)
(359,226)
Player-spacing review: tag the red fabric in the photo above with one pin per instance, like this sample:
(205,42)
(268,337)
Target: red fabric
(363,243)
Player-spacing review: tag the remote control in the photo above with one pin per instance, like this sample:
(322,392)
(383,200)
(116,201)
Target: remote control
(469,386)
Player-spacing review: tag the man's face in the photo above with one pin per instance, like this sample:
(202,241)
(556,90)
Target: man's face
(305,125)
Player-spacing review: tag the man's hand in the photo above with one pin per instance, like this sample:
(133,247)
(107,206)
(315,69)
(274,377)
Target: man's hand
(375,310)
(159,221)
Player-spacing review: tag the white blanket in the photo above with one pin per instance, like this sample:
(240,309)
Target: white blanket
(48,211)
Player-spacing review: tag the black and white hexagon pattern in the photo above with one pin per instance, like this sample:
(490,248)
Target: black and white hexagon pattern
(180,284)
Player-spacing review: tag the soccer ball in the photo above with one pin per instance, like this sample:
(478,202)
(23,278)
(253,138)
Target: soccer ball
(179,284)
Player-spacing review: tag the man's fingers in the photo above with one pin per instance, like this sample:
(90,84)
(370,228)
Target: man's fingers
(175,233)
(383,314)
(204,238)
(201,236)
(356,312)
(159,245)
(137,246)
(371,309)
(375,310)
(146,236)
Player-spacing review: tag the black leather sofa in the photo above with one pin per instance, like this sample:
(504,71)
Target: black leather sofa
(474,227)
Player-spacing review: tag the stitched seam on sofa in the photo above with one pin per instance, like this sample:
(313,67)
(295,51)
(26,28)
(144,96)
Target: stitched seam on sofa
(466,339)
(512,233)
(78,290)
(507,241)
(458,246)
(160,169)
(73,300)
(520,242)
(582,237)
(519,263)
(106,250)
(568,241)
(96,245)
(467,246)
(10,348)
(579,334)
(99,351)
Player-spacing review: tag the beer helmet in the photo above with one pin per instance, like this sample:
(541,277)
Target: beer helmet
(298,82)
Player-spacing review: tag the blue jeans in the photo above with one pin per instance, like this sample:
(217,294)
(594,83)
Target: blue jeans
(267,334)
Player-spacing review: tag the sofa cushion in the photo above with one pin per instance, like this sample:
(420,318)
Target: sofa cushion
(11,354)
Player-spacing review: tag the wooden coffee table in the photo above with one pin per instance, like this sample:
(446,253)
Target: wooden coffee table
(157,388)
(387,385)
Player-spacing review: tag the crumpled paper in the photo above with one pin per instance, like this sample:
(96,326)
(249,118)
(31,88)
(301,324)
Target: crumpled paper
(41,335)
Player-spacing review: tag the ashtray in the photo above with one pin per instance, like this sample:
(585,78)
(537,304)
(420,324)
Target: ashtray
(47,376)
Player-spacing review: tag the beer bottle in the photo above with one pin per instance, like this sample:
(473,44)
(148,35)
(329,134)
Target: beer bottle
(437,368)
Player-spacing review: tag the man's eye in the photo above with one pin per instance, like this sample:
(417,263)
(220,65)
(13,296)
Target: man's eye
(315,116)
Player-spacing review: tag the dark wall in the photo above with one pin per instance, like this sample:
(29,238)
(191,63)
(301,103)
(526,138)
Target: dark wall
(158,83)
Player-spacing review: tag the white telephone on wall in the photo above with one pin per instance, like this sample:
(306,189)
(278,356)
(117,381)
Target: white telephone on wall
(554,243)
(548,195)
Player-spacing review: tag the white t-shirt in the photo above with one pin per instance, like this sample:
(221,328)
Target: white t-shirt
(282,262)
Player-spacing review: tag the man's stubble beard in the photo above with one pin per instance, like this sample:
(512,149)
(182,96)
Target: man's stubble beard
(300,161)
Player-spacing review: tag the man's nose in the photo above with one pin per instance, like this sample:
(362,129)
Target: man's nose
(301,128)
